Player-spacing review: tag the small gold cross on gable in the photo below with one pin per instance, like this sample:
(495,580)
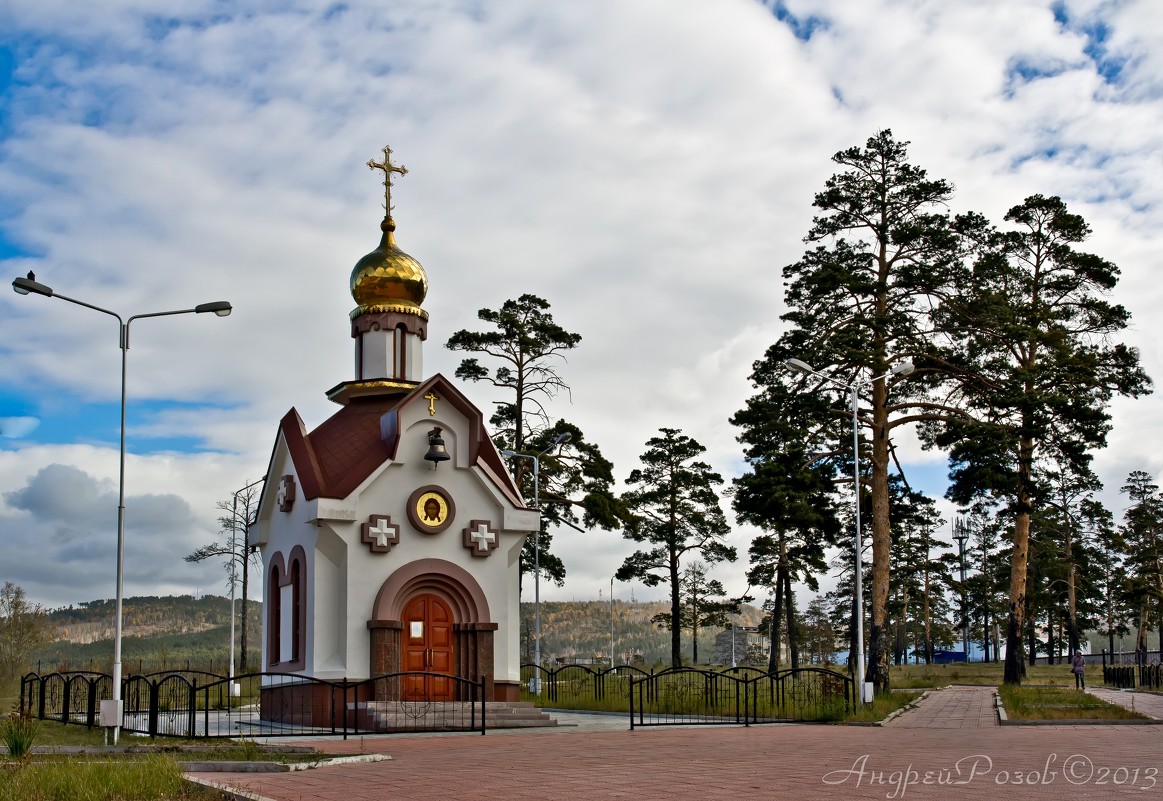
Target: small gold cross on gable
(388,167)
(431,397)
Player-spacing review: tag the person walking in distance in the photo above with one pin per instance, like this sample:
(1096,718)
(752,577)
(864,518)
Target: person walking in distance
(1078,668)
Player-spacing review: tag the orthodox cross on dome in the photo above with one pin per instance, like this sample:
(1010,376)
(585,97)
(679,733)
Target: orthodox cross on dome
(388,167)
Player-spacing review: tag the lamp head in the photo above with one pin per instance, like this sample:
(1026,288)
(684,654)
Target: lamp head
(561,438)
(220,307)
(904,368)
(23,286)
(509,454)
(799,366)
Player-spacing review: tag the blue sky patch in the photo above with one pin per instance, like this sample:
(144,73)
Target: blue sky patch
(801,27)
(68,420)
(1109,66)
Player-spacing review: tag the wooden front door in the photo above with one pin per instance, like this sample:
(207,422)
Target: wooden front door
(427,639)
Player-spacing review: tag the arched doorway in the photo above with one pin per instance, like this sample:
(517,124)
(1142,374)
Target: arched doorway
(464,619)
(428,647)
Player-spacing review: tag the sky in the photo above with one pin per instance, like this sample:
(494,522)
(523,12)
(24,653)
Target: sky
(646,166)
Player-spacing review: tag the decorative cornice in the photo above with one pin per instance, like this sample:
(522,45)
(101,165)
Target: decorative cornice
(349,390)
(385,318)
(382,308)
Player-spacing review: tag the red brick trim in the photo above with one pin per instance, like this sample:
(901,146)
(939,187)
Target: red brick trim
(449,581)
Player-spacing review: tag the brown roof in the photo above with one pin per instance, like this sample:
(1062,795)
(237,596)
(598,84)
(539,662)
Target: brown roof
(341,453)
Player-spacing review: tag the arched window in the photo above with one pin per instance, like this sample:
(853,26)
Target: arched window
(400,356)
(298,622)
(274,614)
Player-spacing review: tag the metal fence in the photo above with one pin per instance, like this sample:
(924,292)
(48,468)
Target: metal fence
(1130,677)
(685,696)
(673,696)
(195,704)
(580,686)
(1151,676)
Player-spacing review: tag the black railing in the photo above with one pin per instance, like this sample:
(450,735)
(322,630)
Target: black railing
(195,704)
(580,686)
(1121,676)
(1151,676)
(685,696)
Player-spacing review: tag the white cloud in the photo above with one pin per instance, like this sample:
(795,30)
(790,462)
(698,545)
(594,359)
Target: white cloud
(648,167)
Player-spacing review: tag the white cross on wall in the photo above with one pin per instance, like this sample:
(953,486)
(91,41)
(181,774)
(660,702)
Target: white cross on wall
(281,496)
(482,538)
(382,531)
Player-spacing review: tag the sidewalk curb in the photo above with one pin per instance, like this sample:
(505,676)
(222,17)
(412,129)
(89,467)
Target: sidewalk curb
(1003,720)
(278,767)
(898,712)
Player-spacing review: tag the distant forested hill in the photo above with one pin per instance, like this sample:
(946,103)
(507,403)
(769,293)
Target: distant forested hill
(173,631)
(580,630)
(157,633)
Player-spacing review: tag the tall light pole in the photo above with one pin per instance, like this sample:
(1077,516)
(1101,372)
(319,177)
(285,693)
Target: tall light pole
(961,534)
(536,459)
(611,622)
(904,368)
(29,285)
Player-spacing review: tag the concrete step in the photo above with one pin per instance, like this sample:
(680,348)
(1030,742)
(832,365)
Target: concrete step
(435,715)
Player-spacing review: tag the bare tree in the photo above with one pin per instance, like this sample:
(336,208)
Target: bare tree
(236,554)
(24,627)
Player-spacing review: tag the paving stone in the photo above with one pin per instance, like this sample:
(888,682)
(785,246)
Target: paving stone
(947,740)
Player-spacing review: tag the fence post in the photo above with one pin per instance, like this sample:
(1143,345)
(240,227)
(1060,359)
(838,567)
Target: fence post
(343,707)
(631,702)
(91,704)
(191,717)
(153,708)
(484,706)
(746,697)
(65,701)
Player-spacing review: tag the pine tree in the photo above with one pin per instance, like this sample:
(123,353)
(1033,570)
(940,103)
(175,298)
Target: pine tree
(673,507)
(1034,338)
(1143,535)
(915,520)
(527,342)
(703,604)
(784,491)
(858,303)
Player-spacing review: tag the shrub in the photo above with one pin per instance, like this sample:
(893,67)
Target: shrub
(19,733)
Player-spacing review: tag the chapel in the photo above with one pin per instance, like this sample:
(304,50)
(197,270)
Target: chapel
(390,534)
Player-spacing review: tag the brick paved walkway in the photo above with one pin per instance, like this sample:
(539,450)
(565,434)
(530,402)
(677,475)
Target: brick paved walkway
(958,707)
(809,762)
(1149,704)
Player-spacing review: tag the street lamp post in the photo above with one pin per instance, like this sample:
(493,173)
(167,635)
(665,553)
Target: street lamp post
(611,622)
(961,534)
(29,285)
(536,459)
(904,368)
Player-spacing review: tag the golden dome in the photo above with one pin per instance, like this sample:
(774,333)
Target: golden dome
(388,279)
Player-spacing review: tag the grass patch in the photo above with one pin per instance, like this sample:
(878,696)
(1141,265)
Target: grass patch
(50,732)
(881,707)
(1044,703)
(986,674)
(152,778)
